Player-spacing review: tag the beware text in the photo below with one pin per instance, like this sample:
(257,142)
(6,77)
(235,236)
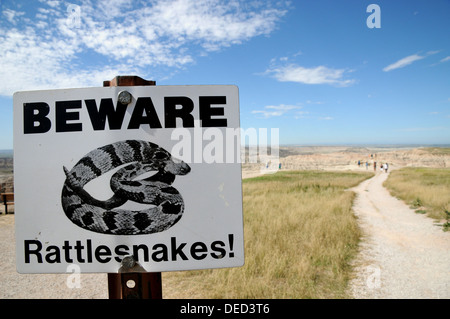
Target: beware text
(67,114)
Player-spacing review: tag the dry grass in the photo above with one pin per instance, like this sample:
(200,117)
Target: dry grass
(425,189)
(437,150)
(300,235)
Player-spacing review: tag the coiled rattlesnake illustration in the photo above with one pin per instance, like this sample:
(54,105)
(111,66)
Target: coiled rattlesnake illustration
(167,205)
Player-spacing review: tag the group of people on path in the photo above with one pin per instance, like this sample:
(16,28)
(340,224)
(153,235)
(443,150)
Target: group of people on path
(383,167)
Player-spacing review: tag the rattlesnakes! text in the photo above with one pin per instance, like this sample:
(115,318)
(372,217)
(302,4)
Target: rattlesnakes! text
(85,252)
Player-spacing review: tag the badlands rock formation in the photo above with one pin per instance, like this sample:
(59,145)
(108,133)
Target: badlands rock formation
(347,158)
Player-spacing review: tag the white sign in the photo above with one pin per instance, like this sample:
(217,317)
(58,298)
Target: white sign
(155,174)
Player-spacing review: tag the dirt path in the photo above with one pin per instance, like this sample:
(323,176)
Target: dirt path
(403,254)
(35,286)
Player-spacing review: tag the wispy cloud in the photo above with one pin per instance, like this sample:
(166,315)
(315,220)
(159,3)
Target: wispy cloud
(293,111)
(403,62)
(407,61)
(275,110)
(301,115)
(314,102)
(315,75)
(445,59)
(47,46)
(11,15)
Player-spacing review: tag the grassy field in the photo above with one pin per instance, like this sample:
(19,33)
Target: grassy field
(425,189)
(437,150)
(300,235)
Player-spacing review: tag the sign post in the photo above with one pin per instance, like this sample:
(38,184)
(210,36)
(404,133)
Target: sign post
(129,179)
(145,285)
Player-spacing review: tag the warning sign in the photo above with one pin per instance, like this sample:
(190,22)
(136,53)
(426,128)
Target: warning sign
(148,171)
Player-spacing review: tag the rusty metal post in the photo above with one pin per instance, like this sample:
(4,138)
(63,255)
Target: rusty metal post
(129,284)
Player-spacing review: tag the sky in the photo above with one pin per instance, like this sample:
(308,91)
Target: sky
(323,72)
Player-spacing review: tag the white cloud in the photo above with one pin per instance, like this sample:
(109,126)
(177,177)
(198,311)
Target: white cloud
(52,3)
(28,63)
(283,107)
(214,23)
(292,111)
(315,75)
(59,42)
(301,114)
(408,60)
(445,59)
(314,102)
(275,110)
(10,15)
(403,62)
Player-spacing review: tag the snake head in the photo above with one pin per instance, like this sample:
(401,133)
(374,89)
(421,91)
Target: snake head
(177,167)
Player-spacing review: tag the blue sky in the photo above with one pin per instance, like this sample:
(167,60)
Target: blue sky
(313,69)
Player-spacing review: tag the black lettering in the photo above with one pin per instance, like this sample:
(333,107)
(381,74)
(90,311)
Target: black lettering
(138,118)
(29,251)
(162,251)
(136,249)
(206,111)
(66,247)
(217,247)
(79,248)
(101,251)
(199,250)
(171,112)
(121,250)
(106,110)
(53,251)
(89,250)
(35,118)
(177,250)
(63,116)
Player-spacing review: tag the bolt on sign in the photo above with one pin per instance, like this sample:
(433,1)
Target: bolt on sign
(148,171)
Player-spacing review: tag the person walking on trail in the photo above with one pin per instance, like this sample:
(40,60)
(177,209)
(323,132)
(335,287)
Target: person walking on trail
(386,167)
(374,166)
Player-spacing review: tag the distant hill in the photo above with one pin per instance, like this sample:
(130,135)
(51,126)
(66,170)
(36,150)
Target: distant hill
(6,160)
(6,153)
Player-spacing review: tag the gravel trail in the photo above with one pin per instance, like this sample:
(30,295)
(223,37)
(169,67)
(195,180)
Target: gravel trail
(403,254)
